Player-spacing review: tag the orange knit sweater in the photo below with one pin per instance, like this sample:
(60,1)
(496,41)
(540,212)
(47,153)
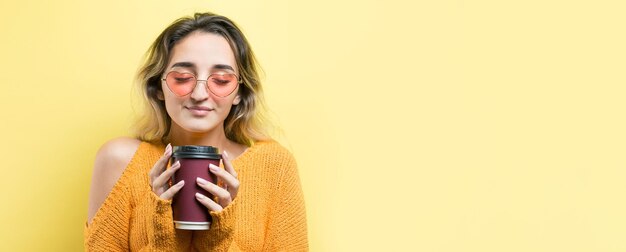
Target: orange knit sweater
(268,213)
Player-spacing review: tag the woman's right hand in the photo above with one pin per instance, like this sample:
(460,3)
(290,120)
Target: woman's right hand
(159,176)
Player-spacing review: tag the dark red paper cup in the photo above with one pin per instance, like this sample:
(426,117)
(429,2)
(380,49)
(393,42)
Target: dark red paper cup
(194,160)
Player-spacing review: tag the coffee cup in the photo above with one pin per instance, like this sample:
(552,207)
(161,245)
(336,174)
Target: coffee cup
(189,213)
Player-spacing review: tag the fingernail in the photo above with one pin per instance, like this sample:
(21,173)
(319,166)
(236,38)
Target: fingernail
(225,154)
(180,184)
(214,168)
(202,181)
(168,148)
(176,164)
(199,195)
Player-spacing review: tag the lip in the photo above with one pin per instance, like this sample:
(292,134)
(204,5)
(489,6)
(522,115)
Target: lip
(199,110)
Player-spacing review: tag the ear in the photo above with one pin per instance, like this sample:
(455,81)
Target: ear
(237,100)
(160,96)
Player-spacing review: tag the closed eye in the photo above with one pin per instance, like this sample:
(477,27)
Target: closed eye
(221,82)
(183,79)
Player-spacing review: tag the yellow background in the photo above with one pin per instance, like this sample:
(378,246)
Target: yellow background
(417,125)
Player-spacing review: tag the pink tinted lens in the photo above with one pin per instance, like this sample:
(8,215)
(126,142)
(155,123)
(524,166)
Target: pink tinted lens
(180,83)
(222,85)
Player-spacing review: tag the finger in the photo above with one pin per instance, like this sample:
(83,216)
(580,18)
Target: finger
(162,179)
(208,203)
(219,192)
(161,164)
(230,182)
(228,164)
(169,194)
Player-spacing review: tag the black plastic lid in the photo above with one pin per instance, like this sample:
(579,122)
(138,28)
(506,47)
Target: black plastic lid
(196,151)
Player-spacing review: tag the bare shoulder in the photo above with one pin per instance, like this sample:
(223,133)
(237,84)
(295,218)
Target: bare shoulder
(110,162)
(115,153)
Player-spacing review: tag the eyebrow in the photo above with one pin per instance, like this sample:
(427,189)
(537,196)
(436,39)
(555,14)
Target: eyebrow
(183,64)
(222,66)
(190,65)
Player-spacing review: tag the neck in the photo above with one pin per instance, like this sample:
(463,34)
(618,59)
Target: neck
(215,137)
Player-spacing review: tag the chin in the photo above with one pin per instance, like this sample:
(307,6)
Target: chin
(198,127)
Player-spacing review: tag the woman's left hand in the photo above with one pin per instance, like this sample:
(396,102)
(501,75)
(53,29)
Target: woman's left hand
(227,192)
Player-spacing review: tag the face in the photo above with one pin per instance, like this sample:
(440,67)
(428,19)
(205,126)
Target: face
(201,55)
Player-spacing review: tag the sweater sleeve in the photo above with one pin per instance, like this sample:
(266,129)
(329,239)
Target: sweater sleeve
(287,227)
(219,237)
(157,214)
(108,230)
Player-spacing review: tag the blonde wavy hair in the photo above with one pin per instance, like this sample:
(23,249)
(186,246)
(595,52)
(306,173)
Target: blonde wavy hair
(246,122)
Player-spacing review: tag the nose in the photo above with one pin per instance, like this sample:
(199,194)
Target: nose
(200,91)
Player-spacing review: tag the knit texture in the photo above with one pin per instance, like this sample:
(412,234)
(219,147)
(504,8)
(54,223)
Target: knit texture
(268,213)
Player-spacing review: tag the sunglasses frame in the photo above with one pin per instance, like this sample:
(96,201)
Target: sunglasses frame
(206,83)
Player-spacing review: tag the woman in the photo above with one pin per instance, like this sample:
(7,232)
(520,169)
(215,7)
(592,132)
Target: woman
(201,87)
